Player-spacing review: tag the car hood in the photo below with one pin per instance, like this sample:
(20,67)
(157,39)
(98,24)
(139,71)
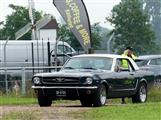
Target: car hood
(73,73)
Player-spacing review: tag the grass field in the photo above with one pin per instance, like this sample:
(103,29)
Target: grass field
(148,111)
(11,100)
(145,111)
(112,111)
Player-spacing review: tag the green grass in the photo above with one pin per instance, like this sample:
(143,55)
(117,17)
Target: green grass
(10,100)
(154,94)
(148,111)
(114,111)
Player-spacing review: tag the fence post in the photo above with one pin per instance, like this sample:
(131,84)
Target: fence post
(5,64)
(23,82)
(6,82)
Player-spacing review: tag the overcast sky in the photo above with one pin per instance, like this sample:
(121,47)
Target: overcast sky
(97,9)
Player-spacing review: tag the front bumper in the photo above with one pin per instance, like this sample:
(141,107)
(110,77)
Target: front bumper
(64,87)
(65,92)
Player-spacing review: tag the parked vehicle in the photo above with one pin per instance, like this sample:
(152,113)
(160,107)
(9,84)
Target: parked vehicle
(92,79)
(33,53)
(151,62)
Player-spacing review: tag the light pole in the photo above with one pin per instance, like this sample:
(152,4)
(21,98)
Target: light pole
(109,43)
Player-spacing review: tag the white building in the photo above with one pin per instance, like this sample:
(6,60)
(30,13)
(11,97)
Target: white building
(48,31)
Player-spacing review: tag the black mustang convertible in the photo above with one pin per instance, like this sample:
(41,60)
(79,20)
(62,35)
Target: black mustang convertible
(93,78)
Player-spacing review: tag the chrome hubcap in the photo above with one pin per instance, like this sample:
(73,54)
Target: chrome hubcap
(103,95)
(143,94)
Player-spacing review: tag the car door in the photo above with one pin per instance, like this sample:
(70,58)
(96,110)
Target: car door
(155,66)
(124,79)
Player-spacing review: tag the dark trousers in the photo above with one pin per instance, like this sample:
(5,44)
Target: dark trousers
(123,100)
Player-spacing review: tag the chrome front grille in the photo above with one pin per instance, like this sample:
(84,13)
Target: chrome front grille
(60,80)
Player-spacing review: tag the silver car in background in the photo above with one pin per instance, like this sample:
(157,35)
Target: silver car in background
(152,63)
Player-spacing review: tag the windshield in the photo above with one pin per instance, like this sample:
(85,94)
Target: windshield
(94,63)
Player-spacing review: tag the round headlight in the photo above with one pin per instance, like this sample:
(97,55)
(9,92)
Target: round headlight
(89,80)
(36,80)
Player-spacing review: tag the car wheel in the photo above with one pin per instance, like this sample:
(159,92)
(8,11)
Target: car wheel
(99,98)
(86,102)
(141,95)
(44,101)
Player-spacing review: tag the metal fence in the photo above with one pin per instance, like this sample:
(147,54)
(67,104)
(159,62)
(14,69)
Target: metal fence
(18,79)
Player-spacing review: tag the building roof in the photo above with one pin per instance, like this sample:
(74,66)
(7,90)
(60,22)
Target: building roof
(51,25)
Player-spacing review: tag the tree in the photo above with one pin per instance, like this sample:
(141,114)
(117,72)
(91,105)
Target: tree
(66,35)
(96,35)
(153,7)
(132,28)
(18,19)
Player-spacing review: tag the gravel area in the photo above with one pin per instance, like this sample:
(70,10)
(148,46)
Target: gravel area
(55,112)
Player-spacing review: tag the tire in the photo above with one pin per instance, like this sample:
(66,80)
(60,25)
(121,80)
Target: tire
(44,101)
(141,95)
(99,98)
(86,101)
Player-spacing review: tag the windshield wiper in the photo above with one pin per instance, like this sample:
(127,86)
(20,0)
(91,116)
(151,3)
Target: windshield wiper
(68,68)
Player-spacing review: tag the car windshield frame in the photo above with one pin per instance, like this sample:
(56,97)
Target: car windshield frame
(90,63)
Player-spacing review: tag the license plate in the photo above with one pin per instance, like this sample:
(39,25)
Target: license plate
(61,93)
